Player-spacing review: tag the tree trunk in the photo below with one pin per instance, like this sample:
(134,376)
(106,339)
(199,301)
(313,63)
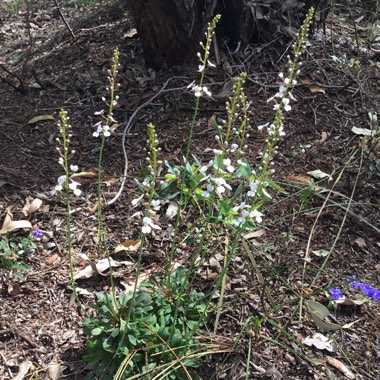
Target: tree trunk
(170,30)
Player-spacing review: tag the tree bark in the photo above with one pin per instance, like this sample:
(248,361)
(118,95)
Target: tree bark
(170,30)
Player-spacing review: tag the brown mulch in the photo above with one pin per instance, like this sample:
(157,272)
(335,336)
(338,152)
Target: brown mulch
(39,321)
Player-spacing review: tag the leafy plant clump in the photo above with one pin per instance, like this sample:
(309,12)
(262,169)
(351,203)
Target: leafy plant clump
(12,251)
(149,331)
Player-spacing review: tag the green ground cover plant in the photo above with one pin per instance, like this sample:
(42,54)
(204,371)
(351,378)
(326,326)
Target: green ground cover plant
(14,250)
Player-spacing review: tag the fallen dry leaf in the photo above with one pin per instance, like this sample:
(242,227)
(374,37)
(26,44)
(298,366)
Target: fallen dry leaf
(14,289)
(23,369)
(361,242)
(131,33)
(130,285)
(54,259)
(128,245)
(10,225)
(324,136)
(254,234)
(214,263)
(320,341)
(315,89)
(340,366)
(55,372)
(98,268)
(89,174)
(111,181)
(30,208)
(298,178)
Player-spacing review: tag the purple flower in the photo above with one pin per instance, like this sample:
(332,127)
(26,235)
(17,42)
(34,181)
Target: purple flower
(376,294)
(37,234)
(367,289)
(336,294)
(356,285)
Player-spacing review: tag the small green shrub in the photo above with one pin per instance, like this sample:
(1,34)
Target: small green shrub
(154,327)
(12,250)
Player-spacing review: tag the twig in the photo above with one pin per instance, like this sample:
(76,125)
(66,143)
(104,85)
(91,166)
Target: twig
(21,88)
(126,130)
(34,73)
(64,19)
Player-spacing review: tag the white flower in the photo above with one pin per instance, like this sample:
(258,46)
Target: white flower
(257,215)
(148,225)
(210,64)
(99,112)
(73,185)
(146,228)
(61,179)
(253,186)
(74,168)
(221,185)
(60,161)
(281,130)
(101,130)
(77,192)
(234,147)
(56,189)
(227,164)
(106,131)
(136,201)
(197,91)
(206,91)
(206,193)
(203,169)
(244,213)
(218,152)
(201,68)
(156,204)
(285,102)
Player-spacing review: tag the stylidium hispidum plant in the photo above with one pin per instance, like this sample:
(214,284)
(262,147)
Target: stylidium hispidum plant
(283,98)
(65,184)
(103,130)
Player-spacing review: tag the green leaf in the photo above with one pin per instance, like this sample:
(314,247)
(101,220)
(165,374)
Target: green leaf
(16,58)
(96,331)
(39,118)
(318,309)
(327,326)
(318,312)
(321,252)
(132,340)
(244,171)
(275,186)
